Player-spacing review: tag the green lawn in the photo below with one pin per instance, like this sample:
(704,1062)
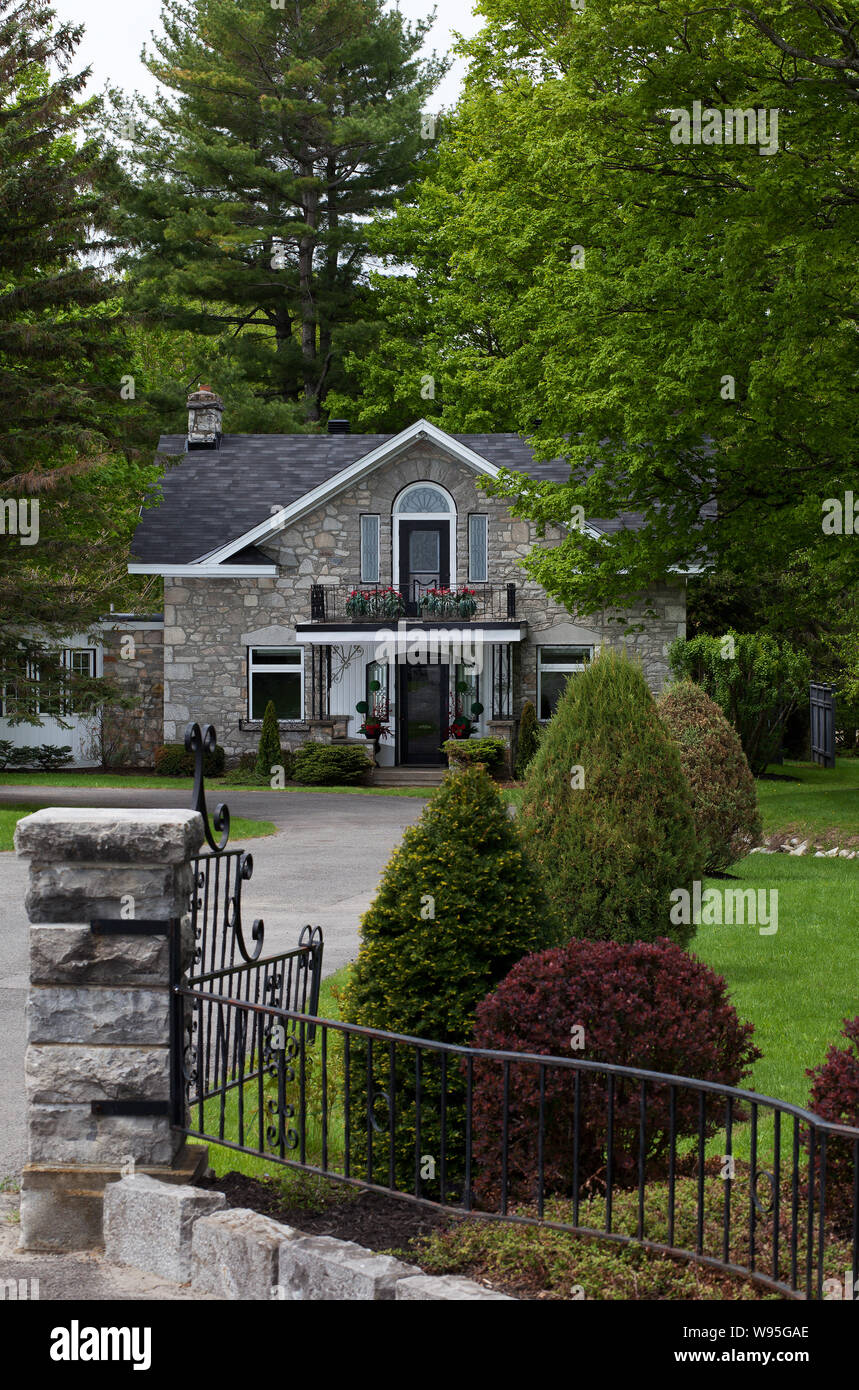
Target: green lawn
(240,829)
(821,799)
(798,984)
(178,784)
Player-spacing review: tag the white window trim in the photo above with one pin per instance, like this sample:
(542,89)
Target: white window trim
(370,516)
(275,669)
(397,517)
(484,517)
(570,668)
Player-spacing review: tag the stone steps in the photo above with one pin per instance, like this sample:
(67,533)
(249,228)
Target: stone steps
(407,776)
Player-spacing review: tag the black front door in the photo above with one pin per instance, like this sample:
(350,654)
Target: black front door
(423,713)
(424,559)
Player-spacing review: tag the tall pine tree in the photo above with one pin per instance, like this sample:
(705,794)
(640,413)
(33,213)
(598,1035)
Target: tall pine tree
(290,125)
(70,476)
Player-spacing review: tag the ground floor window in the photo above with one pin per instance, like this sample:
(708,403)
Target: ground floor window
(276,674)
(53,697)
(555,665)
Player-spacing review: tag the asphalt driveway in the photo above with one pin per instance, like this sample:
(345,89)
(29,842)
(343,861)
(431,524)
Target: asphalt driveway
(322,867)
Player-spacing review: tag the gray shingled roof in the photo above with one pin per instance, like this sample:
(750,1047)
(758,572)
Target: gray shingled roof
(212,497)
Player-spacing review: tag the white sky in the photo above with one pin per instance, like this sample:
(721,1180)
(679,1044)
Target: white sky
(116,30)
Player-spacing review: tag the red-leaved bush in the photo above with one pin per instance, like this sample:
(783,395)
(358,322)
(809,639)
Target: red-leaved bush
(835,1097)
(645,1004)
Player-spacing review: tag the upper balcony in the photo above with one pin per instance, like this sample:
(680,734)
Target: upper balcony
(374,604)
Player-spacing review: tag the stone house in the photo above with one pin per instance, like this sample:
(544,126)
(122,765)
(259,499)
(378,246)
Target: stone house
(327,571)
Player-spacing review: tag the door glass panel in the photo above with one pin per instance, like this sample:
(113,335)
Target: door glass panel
(424,552)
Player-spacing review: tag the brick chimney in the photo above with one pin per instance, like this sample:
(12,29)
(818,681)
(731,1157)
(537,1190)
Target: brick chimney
(205,409)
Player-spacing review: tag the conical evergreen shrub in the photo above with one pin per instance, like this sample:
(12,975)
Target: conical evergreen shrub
(607,814)
(269,753)
(724,800)
(458,905)
(528,741)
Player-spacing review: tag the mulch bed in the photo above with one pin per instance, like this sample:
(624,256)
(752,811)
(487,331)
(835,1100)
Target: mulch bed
(369,1218)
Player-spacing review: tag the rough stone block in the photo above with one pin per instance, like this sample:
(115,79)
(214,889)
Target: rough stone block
(149,1224)
(236,1254)
(69,1134)
(63,1075)
(79,892)
(64,954)
(443,1288)
(98,1015)
(109,836)
(320,1268)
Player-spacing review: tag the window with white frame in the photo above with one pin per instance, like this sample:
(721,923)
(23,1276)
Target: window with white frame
(377,696)
(555,665)
(369,548)
(276,674)
(467,690)
(53,698)
(478,561)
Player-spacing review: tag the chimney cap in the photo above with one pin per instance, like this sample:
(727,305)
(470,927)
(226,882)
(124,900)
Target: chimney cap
(339,427)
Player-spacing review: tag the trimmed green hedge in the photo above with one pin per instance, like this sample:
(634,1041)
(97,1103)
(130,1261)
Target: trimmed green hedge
(468,751)
(330,765)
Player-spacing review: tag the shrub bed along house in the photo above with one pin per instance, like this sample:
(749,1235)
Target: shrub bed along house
(647,1005)
(607,813)
(269,754)
(171,760)
(724,800)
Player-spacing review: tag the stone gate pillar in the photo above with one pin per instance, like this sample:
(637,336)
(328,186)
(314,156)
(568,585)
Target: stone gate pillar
(98,1013)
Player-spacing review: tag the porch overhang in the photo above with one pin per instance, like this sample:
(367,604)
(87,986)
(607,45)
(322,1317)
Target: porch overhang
(408,633)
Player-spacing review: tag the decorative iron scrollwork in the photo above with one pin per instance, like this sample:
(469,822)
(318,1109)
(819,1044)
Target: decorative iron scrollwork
(233,915)
(200,743)
(758,1204)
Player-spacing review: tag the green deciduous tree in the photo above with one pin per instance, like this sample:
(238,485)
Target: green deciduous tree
(677,320)
(286,128)
(756,681)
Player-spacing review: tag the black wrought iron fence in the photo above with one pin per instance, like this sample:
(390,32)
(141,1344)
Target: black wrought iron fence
(738,1181)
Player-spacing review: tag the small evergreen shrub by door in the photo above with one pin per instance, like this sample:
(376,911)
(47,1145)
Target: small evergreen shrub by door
(607,813)
(269,754)
(835,1097)
(528,741)
(457,906)
(648,1005)
(724,799)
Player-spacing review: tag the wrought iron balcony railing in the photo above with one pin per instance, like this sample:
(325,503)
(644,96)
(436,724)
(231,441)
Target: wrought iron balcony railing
(370,603)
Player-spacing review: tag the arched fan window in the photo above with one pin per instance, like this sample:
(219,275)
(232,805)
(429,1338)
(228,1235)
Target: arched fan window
(423,497)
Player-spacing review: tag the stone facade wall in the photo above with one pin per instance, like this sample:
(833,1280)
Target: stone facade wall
(210,623)
(98,1014)
(130,736)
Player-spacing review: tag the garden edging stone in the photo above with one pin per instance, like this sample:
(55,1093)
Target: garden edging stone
(180,1233)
